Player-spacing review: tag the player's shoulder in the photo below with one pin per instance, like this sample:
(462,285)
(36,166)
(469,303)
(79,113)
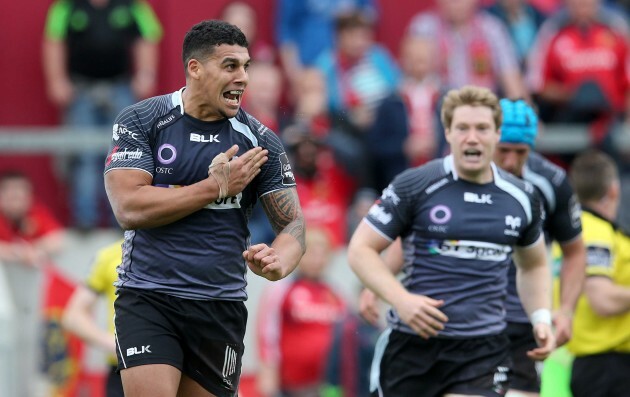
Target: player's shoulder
(257,132)
(150,111)
(511,183)
(541,166)
(596,224)
(416,179)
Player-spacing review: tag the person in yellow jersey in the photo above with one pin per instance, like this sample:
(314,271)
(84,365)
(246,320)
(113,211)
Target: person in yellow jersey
(601,326)
(78,316)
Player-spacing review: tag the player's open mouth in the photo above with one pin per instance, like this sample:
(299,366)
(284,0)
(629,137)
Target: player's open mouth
(233,97)
(472,154)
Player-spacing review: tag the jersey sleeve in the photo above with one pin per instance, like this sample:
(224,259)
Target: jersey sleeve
(276,173)
(564,223)
(57,20)
(532,232)
(130,148)
(148,23)
(390,214)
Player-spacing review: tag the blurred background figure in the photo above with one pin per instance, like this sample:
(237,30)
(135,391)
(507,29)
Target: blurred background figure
(30,238)
(311,102)
(262,100)
(80,313)
(295,325)
(359,75)
(99,56)
(305,29)
(243,15)
(404,130)
(578,69)
(474,47)
(350,357)
(324,188)
(361,204)
(522,20)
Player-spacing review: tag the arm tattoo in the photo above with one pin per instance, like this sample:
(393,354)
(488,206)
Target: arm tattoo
(285,215)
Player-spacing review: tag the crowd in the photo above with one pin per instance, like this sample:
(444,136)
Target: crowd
(354,120)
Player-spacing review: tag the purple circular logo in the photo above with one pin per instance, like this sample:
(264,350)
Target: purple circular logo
(440,214)
(167,158)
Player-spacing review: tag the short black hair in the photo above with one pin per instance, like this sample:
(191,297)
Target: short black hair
(591,174)
(201,39)
(12,174)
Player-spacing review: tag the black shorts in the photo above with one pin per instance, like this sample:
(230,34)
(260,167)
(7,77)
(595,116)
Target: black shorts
(202,338)
(407,365)
(601,375)
(525,371)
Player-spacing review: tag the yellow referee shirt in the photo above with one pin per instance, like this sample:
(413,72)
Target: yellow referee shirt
(608,255)
(102,277)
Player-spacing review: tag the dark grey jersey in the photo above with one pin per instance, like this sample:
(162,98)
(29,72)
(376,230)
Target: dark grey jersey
(458,239)
(200,255)
(562,218)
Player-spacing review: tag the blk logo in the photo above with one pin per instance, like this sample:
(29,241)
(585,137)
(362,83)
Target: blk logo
(476,198)
(202,138)
(132,351)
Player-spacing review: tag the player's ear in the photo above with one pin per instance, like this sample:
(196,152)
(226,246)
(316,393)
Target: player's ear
(194,68)
(447,134)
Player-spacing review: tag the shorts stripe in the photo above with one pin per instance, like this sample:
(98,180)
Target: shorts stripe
(122,357)
(379,351)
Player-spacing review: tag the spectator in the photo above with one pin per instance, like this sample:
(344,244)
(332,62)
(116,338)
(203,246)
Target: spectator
(243,15)
(354,339)
(601,333)
(359,74)
(262,101)
(99,56)
(578,67)
(305,29)
(30,237)
(311,102)
(350,357)
(522,20)
(297,310)
(361,203)
(404,131)
(263,97)
(79,318)
(324,189)
(473,47)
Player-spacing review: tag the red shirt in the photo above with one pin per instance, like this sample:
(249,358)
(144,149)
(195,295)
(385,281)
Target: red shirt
(38,222)
(295,329)
(325,198)
(571,55)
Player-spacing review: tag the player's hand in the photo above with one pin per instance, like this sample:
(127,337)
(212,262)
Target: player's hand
(61,92)
(263,261)
(422,314)
(563,323)
(368,306)
(545,340)
(233,175)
